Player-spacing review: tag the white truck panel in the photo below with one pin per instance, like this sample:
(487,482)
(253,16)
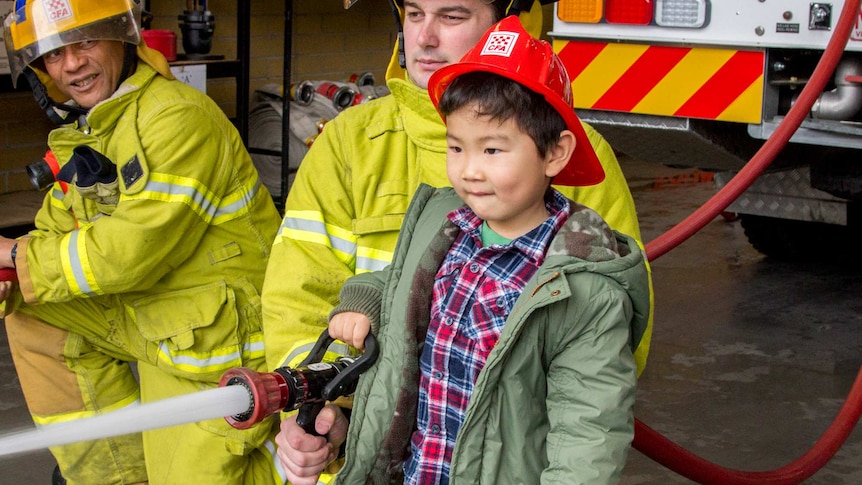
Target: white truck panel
(747,23)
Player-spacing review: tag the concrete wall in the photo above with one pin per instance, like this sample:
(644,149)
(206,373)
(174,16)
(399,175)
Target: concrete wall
(328,43)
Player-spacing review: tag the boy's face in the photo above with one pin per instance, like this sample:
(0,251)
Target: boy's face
(498,171)
(439,32)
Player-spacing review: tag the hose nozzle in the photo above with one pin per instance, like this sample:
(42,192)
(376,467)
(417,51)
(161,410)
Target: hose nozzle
(268,395)
(306,387)
(8,274)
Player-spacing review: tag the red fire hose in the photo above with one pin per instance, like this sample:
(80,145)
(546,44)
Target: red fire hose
(663,451)
(659,448)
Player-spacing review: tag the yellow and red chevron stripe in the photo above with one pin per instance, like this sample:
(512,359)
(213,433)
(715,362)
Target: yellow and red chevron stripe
(695,82)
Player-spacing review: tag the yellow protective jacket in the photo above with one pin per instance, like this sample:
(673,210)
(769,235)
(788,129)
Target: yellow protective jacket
(351,193)
(180,242)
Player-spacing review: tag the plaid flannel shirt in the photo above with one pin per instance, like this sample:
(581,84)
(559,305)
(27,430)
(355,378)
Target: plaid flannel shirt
(474,291)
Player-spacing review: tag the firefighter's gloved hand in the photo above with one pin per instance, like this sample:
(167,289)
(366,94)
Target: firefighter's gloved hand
(93,174)
(104,194)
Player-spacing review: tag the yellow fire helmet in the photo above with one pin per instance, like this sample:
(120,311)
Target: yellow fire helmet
(35,27)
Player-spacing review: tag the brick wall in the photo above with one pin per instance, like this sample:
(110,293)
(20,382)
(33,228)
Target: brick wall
(23,134)
(328,43)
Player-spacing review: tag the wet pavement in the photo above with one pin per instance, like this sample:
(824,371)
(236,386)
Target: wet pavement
(751,359)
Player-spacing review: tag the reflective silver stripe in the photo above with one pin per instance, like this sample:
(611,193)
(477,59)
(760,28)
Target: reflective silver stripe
(253,347)
(190,192)
(276,462)
(189,361)
(369,264)
(76,266)
(318,227)
(242,203)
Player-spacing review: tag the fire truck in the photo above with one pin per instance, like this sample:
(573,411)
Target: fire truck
(700,83)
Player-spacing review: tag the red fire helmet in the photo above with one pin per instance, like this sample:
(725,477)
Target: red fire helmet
(508,50)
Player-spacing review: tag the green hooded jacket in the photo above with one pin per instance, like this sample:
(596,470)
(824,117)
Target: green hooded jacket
(553,403)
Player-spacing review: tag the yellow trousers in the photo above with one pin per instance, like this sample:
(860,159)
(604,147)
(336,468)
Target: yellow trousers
(79,366)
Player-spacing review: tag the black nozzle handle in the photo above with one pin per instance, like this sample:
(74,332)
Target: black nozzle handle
(306,417)
(342,384)
(345,382)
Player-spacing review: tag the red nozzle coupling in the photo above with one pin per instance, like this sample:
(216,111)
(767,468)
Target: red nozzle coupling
(268,392)
(8,274)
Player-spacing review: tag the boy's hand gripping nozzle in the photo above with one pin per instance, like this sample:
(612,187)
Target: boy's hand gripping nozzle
(307,387)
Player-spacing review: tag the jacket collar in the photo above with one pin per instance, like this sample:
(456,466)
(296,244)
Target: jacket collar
(419,118)
(107,112)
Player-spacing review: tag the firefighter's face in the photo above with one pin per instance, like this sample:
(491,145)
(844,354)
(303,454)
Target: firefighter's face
(87,71)
(439,32)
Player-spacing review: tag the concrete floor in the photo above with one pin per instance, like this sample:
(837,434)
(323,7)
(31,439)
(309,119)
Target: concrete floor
(751,359)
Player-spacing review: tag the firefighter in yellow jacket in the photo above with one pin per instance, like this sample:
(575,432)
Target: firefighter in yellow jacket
(155,254)
(351,192)
(350,195)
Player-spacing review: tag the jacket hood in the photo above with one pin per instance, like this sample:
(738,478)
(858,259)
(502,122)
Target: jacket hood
(598,249)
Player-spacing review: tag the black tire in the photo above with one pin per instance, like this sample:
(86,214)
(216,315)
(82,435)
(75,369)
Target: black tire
(841,178)
(789,240)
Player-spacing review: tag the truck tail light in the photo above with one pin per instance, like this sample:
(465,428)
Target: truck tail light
(681,13)
(637,12)
(692,14)
(580,11)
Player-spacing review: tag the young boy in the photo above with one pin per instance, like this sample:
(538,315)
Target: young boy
(506,325)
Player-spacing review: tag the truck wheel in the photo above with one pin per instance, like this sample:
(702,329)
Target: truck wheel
(790,240)
(841,178)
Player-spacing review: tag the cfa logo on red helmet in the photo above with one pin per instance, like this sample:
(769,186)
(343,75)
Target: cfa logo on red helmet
(500,44)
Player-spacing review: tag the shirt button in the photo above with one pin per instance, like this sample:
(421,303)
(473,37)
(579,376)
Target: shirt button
(448,321)
(474,268)
(438,375)
(435,429)
(501,303)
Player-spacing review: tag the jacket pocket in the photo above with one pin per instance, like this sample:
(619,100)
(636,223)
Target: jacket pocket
(191,333)
(385,211)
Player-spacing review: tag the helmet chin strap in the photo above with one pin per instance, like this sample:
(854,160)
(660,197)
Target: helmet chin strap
(402,57)
(50,107)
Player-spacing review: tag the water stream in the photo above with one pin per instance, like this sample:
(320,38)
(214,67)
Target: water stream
(190,408)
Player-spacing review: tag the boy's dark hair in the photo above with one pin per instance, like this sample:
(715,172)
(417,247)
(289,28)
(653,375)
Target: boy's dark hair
(501,99)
